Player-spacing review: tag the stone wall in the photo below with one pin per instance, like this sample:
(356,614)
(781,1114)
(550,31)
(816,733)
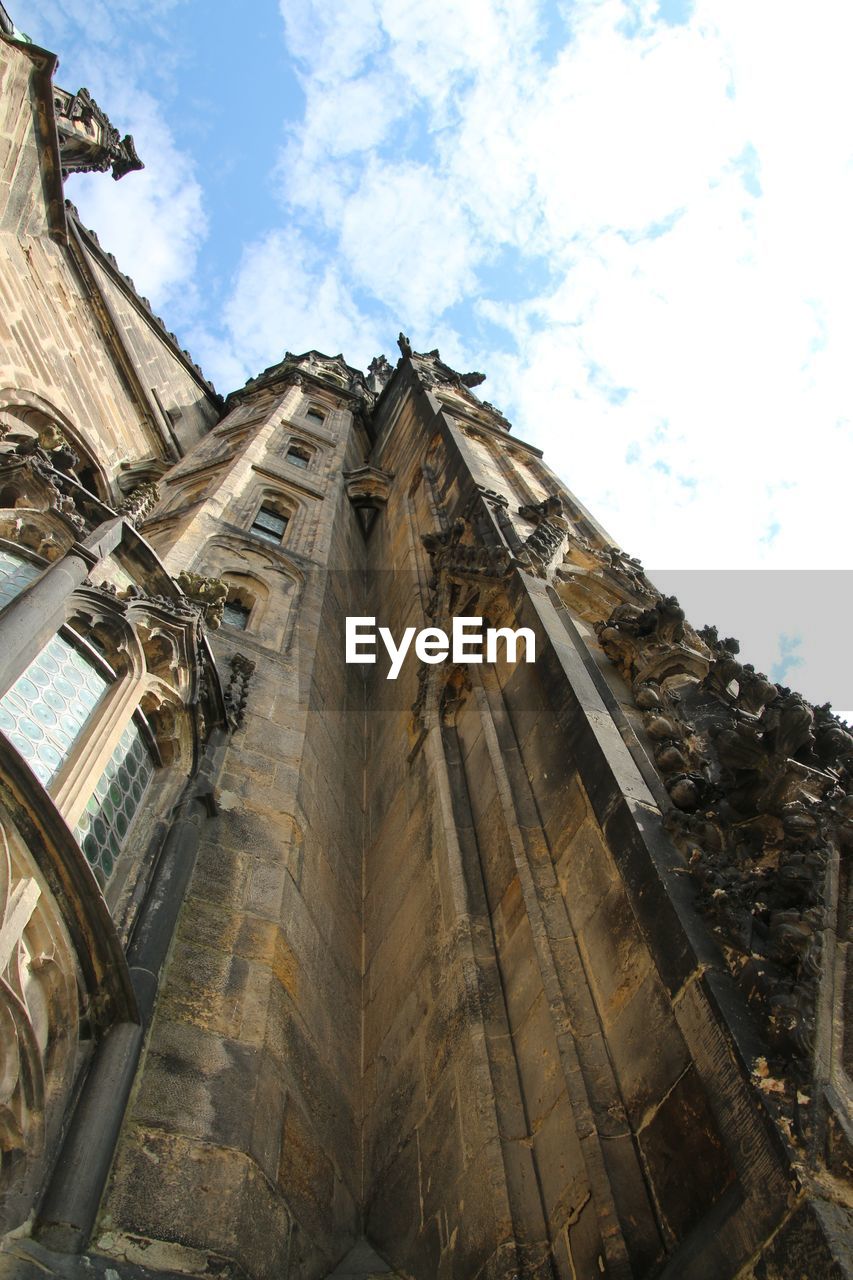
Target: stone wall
(250,1092)
(549,1077)
(59,357)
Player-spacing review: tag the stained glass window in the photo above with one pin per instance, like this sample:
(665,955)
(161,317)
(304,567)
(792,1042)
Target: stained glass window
(15,574)
(46,708)
(106,820)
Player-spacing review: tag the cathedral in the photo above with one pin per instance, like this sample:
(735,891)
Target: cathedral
(499,969)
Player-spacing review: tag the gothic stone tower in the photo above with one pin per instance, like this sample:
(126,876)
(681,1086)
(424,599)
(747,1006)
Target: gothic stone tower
(494,970)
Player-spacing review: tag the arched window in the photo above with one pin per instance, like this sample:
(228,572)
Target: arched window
(47,707)
(298,456)
(315,413)
(237,610)
(46,713)
(29,425)
(104,824)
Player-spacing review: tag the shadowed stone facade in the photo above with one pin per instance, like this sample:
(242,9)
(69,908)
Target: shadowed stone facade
(494,970)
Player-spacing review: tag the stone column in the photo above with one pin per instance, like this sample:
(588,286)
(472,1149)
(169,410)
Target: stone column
(37,613)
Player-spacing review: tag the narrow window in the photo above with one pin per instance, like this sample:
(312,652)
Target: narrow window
(269,524)
(298,456)
(236,614)
(47,707)
(104,824)
(316,414)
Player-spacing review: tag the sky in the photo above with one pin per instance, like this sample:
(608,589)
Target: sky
(633,215)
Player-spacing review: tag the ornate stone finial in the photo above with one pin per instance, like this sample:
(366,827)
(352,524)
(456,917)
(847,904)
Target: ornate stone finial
(470,380)
(237,689)
(209,594)
(549,534)
(404,344)
(379,372)
(139,502)
(88,142)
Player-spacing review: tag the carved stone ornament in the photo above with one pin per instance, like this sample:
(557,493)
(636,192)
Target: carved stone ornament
(368,486)
(452,551)
(761,786)
(209,594)
(237,689)
(140,502)
(548,536)
(379,372)
(38,1024)
(30,474)
(88,142)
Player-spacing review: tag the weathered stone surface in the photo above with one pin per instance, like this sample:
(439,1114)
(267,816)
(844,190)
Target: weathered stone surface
(525,970)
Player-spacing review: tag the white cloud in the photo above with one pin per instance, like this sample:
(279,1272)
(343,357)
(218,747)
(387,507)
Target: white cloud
(153,220)
(331,46)
(285,295)
(682,195)
(402,239)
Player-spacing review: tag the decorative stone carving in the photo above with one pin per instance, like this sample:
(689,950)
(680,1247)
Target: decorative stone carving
(368,486)
(29,479)
(494,498)
(88,142)
(450,554)
(38,1026)
(762,790)
(209,594)
(548,536)
(379,372)
(140,502)
(538,512)
(237,689)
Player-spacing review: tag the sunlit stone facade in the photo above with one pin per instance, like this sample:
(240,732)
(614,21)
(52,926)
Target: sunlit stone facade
(493,970)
